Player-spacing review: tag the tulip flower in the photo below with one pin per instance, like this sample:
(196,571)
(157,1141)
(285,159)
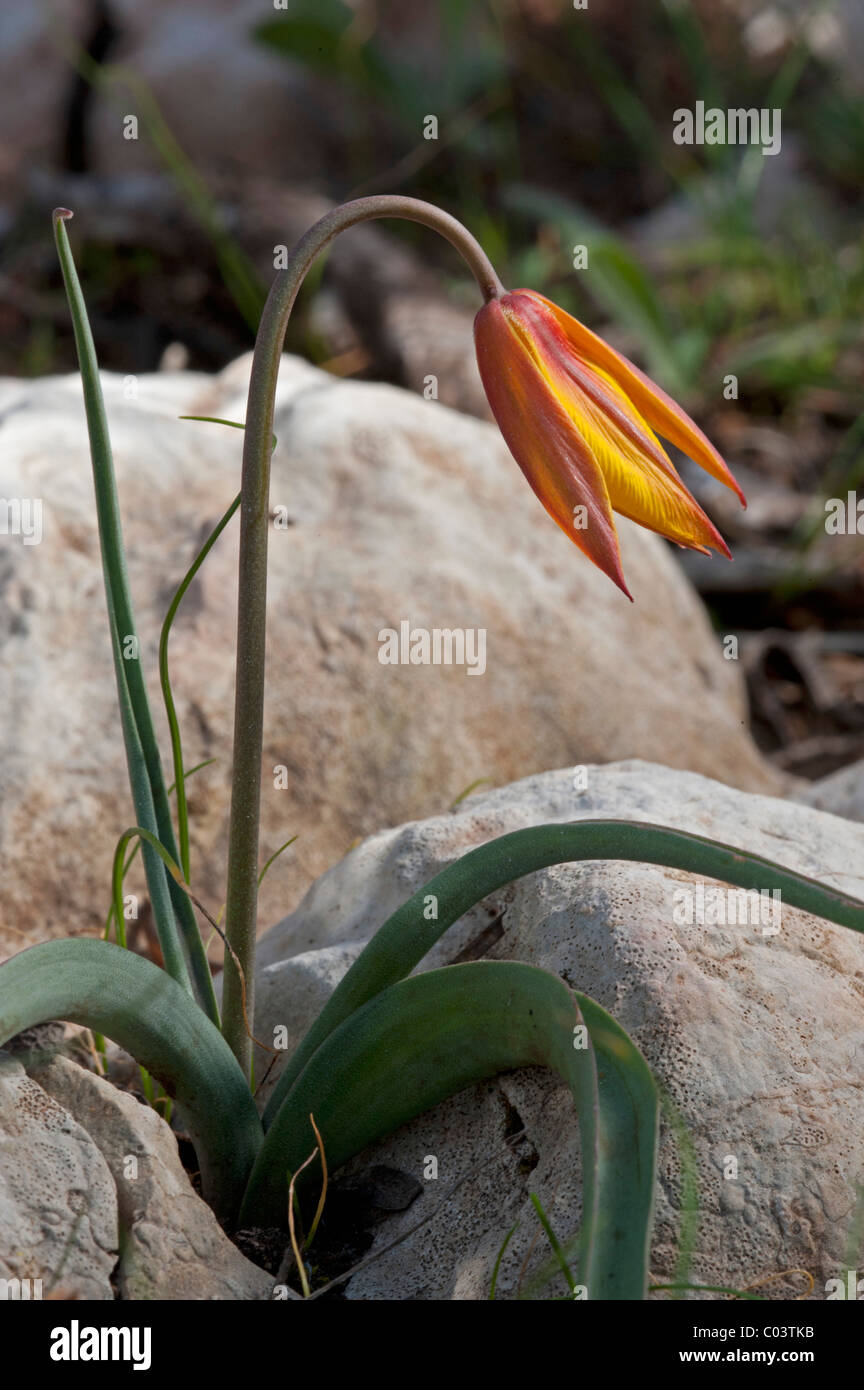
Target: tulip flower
(579,420)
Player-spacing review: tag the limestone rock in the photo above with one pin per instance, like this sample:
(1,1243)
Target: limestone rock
(172,1246)
(307,980)
(841,793)
(58,1207)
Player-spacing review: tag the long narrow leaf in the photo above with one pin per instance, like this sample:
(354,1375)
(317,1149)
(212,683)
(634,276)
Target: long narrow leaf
(406,936)
(183,952)
(132,1001)
(134,851)
(432,1035)
(628,1107)
(167,693)
(121,622)
(558,1252)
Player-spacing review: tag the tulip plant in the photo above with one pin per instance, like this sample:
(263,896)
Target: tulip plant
(580,421)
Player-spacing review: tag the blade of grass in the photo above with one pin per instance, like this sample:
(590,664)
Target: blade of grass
(217,420)
(472,787)
(273,857)
(553,1241)
(177,877)
(136,847)
(167,693)
(148,839)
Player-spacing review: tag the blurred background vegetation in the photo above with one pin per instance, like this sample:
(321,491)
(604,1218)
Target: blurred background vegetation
(554,129)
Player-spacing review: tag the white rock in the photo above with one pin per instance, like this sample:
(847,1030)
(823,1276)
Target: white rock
(841,793)
(400,509)
(307,980)
(758,1039)
(172,1246)
(58,1206)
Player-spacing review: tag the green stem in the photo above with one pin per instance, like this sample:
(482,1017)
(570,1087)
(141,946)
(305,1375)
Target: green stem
(242,891)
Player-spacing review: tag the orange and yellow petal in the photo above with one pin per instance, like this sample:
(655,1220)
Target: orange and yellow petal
(641,480)
(652,403)
(580,441)
(540,435)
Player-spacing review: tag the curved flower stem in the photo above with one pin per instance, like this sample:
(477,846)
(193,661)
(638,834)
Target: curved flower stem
(242,890)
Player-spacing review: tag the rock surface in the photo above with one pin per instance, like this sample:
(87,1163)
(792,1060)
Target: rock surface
(759,1038)
(172,1246)
(58,1205)
(841,793)
(396,509)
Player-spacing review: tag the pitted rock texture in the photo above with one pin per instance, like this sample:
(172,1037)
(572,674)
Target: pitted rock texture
(172,1246)
(58,1206)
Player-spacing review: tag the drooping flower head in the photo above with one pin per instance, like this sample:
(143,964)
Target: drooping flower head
(579,419)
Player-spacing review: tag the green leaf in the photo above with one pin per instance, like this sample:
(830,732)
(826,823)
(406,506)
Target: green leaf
(165,681)
(132,1001)
(214,420)
(560,1256)
(405,938)
(137,832)
(273,857)
(626,1155)
(133,852)
(183,951)
(432,1035)
(217,420)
